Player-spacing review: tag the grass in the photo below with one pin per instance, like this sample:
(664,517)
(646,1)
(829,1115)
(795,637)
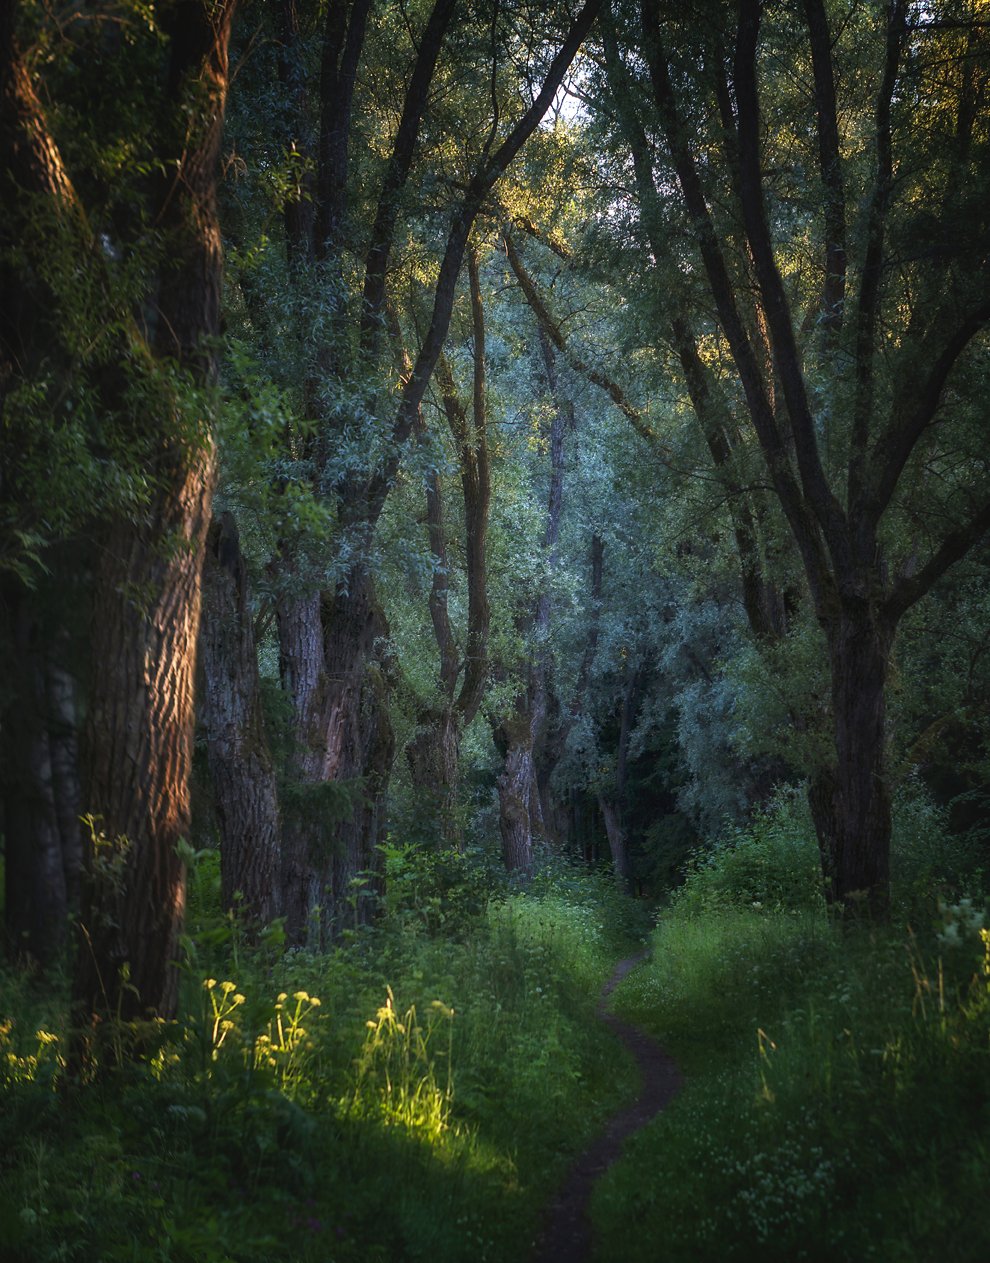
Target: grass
(837,1106)
(414,1095)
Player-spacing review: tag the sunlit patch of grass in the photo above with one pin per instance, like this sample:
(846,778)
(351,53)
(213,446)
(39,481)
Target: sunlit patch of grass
(413,1095)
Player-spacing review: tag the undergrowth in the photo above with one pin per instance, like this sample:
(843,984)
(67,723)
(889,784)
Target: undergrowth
(837,1105)
(415,1094)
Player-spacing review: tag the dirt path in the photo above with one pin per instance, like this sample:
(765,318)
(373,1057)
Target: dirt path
(566,1233)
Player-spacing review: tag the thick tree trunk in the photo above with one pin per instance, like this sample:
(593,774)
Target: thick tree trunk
(139,730)
(515,784)
(340,736)
(850,801)
(241,768)
(139,745)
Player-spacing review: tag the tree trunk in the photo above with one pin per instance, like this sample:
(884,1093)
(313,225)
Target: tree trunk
(340,738)
(305,844)
(617,841)
(63,732)
(147,597)
(515,787)
(434,767)
(241,768)
(139,746)
(357,874)
(36,895)
(851,801)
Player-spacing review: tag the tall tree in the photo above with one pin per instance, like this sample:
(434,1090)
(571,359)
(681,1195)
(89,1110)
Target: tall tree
(330,634)
(434,752)
(151,378)
(846,418)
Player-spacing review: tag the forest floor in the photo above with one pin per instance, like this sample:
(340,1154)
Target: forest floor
(566,1236)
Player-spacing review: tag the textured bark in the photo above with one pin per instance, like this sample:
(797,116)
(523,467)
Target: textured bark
(340,736)
(148,585)
(515,784)
(241,767)
(139,747)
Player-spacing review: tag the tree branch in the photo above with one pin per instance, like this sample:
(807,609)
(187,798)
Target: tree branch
(342,44)
(476,483)
(554,332)
(914,411)
(787,357)
(400,162)
(830,167)
(803,525)
(869,290)
(907,591)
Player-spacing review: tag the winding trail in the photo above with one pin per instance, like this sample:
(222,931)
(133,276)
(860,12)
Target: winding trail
(565,1236)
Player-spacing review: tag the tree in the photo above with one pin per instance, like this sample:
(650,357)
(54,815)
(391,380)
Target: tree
(434,752)
(346,446)
(151,376)
(866,400)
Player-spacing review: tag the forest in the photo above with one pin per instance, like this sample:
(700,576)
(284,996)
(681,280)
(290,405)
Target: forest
(495,623)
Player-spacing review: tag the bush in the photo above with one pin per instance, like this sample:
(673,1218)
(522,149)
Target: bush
(770,863)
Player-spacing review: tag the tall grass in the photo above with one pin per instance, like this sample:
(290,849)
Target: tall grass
(414,1094)
(838,1095)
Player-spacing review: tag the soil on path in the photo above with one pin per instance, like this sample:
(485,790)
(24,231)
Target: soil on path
(565,1236)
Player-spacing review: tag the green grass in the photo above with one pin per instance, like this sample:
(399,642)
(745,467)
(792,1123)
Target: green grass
(423,1109)
(838,1097)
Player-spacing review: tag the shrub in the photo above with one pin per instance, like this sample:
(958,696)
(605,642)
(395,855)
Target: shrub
(770,863)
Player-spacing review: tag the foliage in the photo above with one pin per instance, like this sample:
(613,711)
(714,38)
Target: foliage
(837,1091)
(414,1095)
(770,863)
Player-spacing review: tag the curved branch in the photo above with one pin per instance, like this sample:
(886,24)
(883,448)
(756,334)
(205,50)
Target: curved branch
(913,414)
(787,357)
